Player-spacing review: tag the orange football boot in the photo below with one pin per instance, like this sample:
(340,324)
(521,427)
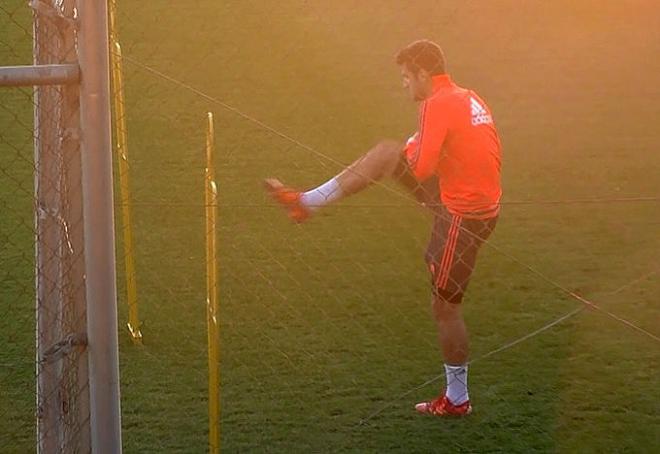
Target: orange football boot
(442,406)
(290,199)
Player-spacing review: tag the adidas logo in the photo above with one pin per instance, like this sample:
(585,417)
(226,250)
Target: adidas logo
(479,115)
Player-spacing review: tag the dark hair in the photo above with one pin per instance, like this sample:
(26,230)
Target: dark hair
(422,54)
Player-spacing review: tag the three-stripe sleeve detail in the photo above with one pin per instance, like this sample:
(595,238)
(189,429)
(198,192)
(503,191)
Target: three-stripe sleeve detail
(448,254)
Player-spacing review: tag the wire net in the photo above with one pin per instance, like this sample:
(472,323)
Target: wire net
(327,338)
(17,406)
(40,198)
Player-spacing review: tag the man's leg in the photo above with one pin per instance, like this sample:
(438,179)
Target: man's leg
(453,341)
(452,333)
(451,256)
(379,162)
(385,160)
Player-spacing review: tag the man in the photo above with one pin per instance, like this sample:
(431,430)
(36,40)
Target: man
(456,150)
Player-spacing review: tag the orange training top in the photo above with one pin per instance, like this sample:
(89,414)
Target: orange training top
(458,142)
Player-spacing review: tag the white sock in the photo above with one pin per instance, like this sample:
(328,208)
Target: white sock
(322,195)
(457,391)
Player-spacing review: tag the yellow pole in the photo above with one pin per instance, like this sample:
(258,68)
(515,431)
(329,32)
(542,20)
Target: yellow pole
(124,188)
(211,198)
(112,24)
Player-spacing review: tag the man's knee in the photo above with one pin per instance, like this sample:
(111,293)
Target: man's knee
(387,154)
(445,310)
(389,149)
(390,145)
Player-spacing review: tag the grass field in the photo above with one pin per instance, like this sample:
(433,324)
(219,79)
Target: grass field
(326,328)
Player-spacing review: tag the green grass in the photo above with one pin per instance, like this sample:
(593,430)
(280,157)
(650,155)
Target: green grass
(324,324)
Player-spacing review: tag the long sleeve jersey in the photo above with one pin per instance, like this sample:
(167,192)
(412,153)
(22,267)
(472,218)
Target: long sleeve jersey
(458,142)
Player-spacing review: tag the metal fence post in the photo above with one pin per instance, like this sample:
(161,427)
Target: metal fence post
(99,227)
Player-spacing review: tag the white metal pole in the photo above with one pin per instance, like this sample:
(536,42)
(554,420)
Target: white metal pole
(98,212)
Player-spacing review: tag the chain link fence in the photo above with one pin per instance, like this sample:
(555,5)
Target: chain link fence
(42,239)
(17,230)
(327,340)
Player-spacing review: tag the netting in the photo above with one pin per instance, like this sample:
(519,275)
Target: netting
(327,336)
(40,197)
(326,332)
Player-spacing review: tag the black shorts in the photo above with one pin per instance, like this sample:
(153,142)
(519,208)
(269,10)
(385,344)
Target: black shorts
(452,252)
(455,241)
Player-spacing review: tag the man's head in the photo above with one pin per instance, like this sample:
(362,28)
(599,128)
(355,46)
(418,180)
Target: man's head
(419,62)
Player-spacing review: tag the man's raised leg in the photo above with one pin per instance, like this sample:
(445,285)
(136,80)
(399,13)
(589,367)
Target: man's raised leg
(378,163)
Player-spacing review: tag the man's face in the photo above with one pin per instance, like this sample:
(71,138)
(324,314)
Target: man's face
(417,84)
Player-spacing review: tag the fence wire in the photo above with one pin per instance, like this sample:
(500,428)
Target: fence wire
(326,331)
(45,382)
(325,323)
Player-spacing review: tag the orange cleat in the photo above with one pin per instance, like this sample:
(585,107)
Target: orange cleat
(288,198)
(441,406)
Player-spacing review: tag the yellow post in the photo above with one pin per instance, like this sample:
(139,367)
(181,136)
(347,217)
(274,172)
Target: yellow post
(112,24)
(211,198)
(124,188)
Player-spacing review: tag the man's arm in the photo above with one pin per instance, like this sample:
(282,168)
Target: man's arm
(432,133)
